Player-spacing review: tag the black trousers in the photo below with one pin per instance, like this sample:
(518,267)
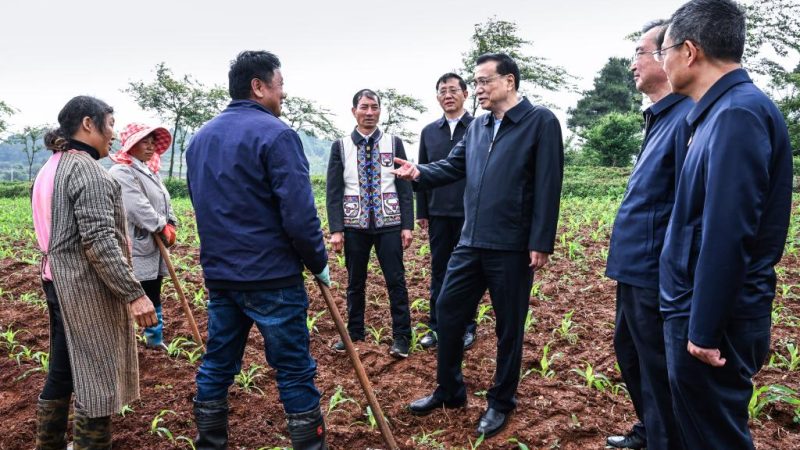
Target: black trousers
(639,345)
(389,249)
(59,375)
(711,402)
(443,234)
(470,272)
(152,289)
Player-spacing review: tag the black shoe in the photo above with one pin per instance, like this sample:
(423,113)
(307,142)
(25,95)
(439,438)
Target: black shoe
(211,419)
(491,423)
(399,347)
(426,405)
(307,430)
(339,345)
(429,340)
(469,340)
(630,440)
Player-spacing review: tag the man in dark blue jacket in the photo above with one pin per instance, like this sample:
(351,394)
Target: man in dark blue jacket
(728,227)
(250,188)
(636,242)
(513,162)
(441,210)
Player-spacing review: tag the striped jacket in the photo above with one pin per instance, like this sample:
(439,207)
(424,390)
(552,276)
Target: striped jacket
(90,262)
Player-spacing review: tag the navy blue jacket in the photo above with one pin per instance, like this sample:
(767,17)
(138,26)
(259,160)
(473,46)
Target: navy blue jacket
(731,214)
(641,222)
(435,144)
(249,184)
(513,189)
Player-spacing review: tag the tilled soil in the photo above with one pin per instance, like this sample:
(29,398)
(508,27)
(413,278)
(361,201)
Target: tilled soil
(558,412)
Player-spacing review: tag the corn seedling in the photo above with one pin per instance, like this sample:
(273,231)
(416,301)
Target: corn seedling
(424,250)
(373,423)
(545,362)
(33,299)
(593,379)
(376,333)
(9,337)
(564,329)
(417,333)
(160,430)
(339,398)
(530,320)
(791,363)
(421,305)
(311,321)
(199,299)
(768,395)
(126,409)
(176,346)
(477,443)
(520,445)
(340,261)
(484,311)
(194,355)
(246,379)
(427,440)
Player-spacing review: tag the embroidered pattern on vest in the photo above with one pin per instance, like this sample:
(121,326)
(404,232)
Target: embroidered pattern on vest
(377,197)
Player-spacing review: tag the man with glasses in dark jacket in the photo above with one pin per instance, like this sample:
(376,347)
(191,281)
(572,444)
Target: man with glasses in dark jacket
(636,242)
(728,227)
(258,226)
(441,210)
(513,163)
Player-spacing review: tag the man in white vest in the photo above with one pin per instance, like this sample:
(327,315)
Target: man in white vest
(367,206)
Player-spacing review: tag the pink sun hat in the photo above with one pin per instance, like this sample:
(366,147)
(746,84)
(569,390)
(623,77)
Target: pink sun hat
(135,132)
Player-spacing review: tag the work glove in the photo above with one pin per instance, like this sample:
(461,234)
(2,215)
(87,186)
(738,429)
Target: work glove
(324,276)
(168,235)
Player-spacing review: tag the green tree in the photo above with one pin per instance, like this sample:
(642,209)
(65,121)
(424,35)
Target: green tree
(614,139)
(614,91)
(29,140)
(307,116)
(773,29)
(501,36)
(174,100)
(397,110)
(5,111)
(209,103)
(789,104)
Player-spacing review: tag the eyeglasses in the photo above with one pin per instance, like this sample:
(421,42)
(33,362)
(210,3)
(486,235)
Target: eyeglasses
(637,54)
(478,82)
(659,54)
(451,91)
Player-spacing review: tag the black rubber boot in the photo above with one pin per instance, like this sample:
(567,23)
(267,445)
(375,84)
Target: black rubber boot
(307,430)
(91,433)
(51,424)
(212,425)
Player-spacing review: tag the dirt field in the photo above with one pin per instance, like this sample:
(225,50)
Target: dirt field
(555,411)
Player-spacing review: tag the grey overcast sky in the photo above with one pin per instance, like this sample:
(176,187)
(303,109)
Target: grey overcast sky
(53,50)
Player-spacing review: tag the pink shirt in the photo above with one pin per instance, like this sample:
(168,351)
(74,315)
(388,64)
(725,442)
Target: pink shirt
(42,205)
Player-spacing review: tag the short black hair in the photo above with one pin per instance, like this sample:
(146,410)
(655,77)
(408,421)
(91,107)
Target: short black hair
(250,64)
(369,93)
(716,26)
(505,65)
(70,118)
(449,76)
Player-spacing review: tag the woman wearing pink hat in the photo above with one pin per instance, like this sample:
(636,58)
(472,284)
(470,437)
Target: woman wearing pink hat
(148,210)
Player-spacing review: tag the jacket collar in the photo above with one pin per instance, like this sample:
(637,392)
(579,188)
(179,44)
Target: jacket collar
(357,137)
(464,120)
(716,91)
(514,114)
(84,147)
(665,103)
(249,104)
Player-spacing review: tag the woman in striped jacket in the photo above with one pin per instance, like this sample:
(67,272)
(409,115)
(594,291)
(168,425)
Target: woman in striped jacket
(92,295)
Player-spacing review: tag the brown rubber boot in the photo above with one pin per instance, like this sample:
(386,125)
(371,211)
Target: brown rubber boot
(91,433)
(51,424)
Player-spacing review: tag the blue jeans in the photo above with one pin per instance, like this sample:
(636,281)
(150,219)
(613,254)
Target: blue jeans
(280,316)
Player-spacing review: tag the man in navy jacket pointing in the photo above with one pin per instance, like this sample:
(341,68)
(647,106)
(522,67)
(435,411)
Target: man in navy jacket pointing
(512,160)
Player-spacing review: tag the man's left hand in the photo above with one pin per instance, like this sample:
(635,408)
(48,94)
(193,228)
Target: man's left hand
(406,238)
(710,356)
(538,259)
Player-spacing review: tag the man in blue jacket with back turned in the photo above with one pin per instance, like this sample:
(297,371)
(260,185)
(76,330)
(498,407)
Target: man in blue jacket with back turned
(250,188)
(728,227)
(513,161)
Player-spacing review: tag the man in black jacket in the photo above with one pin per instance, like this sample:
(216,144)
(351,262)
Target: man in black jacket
(513,163)
(441,210)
